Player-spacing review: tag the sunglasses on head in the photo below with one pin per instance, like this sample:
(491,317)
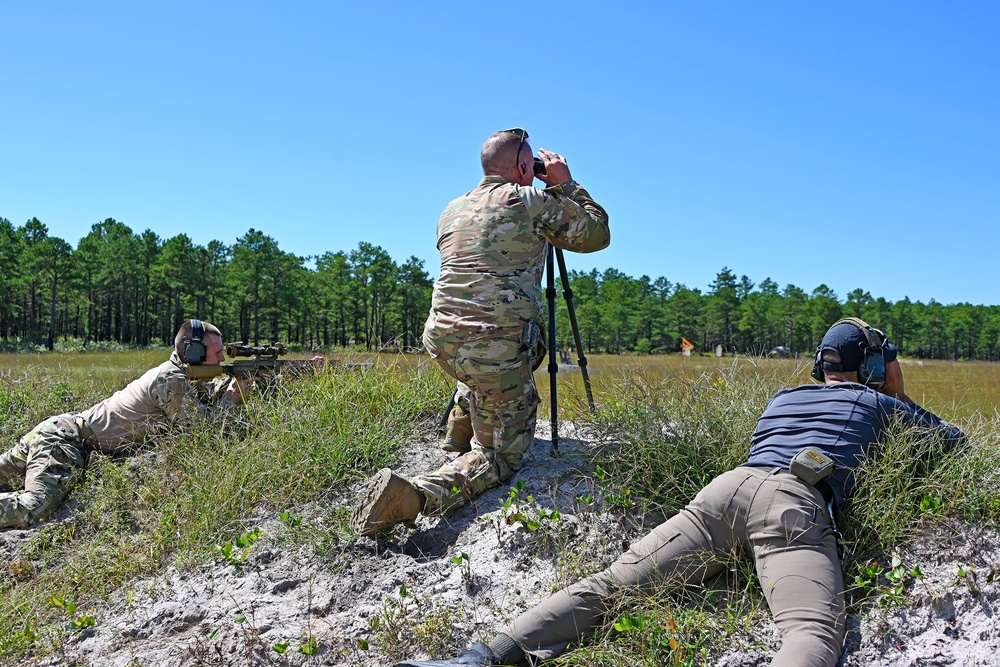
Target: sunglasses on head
(539,166)
(523,134)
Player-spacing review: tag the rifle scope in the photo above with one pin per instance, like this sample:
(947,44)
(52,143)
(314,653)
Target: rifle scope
(239,349)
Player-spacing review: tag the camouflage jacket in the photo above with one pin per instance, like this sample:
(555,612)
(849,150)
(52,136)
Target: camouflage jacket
(492,243)
(162,397)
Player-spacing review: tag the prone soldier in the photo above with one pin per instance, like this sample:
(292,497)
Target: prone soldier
(778,506)
(51,458)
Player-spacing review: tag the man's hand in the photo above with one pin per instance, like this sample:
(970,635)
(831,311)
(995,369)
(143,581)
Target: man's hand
(556,169)
(893,385)
(238,389)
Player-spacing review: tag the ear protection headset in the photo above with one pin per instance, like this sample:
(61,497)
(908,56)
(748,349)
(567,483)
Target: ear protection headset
(871,372)
(195,351)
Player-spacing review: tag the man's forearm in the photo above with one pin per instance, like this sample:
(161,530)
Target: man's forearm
(949,433)
(569,217)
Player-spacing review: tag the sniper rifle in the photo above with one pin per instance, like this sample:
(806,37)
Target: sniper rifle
(262,363)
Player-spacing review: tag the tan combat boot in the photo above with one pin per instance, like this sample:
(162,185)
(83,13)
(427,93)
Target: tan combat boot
(390,500)
(458,437)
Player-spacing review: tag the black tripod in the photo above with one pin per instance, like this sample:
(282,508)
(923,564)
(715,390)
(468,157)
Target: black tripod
(550,295)
(581,360)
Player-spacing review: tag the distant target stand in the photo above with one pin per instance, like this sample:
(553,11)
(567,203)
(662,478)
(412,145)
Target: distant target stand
(686,347)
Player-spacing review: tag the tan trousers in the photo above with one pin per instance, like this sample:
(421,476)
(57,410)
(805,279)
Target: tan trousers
(780,519)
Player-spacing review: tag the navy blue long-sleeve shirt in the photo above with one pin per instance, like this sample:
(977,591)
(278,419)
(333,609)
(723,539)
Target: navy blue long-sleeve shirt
(844,420)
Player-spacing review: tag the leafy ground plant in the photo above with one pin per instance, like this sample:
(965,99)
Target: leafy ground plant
(236,551)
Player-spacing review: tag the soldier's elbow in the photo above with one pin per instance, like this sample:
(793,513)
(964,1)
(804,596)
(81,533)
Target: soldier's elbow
(599,242)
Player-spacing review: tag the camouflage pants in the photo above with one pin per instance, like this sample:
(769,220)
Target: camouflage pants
(502,403)
(48,461)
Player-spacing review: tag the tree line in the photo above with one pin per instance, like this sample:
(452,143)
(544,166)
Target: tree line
(619,313)
(136,289)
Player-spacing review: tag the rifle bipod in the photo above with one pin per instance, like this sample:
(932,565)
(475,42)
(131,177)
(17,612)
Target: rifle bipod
(553,367)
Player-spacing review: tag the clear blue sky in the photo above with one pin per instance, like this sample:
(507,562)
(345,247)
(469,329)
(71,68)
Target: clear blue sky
(852,144)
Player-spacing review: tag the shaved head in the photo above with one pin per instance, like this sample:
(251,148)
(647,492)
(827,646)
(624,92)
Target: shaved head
(499,154)
(183,336)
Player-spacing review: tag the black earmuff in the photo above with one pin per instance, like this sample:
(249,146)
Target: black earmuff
(817,371)
(872,370)
(195,351)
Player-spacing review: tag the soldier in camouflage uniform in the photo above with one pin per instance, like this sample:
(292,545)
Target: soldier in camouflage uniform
(51,458)
(485,327)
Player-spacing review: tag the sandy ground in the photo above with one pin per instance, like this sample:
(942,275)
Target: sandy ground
(368,602)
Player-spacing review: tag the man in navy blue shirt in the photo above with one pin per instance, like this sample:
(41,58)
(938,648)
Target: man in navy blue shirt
(776,506)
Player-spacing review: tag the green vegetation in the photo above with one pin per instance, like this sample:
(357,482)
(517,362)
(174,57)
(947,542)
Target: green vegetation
(958,390)
(619,313)
(189,499)
(120,287)
(673,434)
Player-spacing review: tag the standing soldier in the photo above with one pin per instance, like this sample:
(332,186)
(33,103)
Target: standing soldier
(485,327)
(50,459)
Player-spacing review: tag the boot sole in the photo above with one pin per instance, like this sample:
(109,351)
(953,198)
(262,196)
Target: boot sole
(373,505)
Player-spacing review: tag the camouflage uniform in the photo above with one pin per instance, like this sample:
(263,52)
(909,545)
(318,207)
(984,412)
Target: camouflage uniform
(485,326)
(51,458)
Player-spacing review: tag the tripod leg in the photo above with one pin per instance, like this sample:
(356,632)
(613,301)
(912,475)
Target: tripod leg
(571,310)
(550,294)
(447,411)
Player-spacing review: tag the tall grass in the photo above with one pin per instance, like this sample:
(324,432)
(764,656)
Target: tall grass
(670,429)
(672,435)
(673,432)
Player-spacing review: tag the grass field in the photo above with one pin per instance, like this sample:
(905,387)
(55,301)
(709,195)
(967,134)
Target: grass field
(955,389)
(177,502)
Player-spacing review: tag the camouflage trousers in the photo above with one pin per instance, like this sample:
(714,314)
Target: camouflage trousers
(502,403)
(48,461)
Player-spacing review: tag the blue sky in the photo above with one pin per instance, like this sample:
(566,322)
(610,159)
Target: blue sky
(849,144)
